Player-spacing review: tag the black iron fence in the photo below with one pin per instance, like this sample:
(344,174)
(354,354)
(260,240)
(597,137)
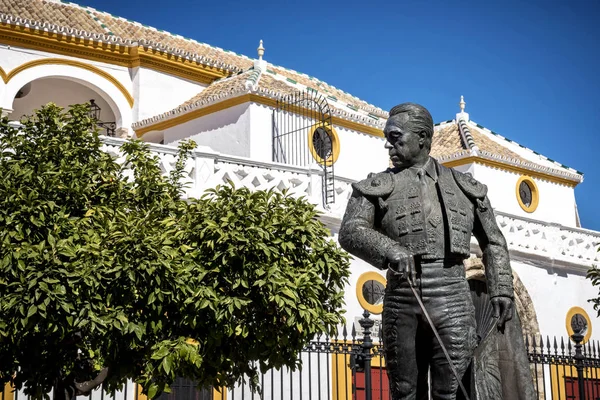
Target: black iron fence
(351,366)
(565,369)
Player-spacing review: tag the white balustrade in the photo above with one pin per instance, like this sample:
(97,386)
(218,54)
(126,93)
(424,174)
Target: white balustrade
(207,169)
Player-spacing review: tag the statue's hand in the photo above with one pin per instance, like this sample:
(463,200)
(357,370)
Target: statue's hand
(503,310)
(401,262)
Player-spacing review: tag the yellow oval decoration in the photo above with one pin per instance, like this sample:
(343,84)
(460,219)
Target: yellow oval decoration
(335,143)
(535,194)
(570,314)
(73,63)
(364,278)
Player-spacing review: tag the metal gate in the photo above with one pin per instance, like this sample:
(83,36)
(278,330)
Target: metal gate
(302,135)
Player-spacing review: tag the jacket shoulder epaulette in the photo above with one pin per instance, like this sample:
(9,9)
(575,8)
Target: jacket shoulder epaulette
(376,185)
(469,185)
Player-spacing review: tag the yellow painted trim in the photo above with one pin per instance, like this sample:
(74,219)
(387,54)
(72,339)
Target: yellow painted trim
(509,168)
(58,43)
(578,310)
(558,373)
(197,113)
(335,143)
(126,56)
(535,194)
(245,98)
(8,392)
(220,394)
(341,372)
(139,395)
(179,66)
(3,75)
(72,63)
(362,279)
(355,126)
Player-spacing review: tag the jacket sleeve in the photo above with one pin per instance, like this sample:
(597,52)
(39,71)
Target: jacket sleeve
(358,234)
(498,271)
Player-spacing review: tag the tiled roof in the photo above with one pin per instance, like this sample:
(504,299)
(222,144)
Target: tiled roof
(492,147)
(269,84)
(217,91)
(88,20)
(147,35)
(52,12)
(449,144)
(446,141)
(332,93)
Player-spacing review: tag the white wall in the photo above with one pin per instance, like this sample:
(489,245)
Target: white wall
(226,131)
(12,57)
(157,92)
(556,202)
(553,292)
(154,92)
(360,153)
(64,93)
(261,132)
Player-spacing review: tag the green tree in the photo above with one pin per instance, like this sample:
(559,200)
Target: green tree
(107,275)
(593,274)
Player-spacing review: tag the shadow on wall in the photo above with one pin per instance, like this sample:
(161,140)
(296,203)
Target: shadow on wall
(226,131)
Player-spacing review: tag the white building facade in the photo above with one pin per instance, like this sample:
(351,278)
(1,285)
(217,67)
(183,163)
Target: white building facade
(164,88)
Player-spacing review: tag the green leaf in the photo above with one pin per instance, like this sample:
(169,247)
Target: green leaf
(32,310)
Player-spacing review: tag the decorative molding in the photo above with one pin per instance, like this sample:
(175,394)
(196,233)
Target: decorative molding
(196,113)
(120,52)
(179,66)
(506,165)
(69,43)
(497,135)
(467,137)
(3,75)
(72,63)
(141,128)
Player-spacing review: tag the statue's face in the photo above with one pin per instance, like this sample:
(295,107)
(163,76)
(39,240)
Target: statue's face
(404,145)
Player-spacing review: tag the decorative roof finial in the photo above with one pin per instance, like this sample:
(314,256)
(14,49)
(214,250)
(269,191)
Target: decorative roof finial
(462,104)
(261,51)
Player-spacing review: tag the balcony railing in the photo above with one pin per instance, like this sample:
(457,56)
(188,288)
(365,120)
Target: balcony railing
(569,246)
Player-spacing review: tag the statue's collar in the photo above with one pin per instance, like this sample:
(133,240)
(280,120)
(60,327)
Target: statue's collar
(429,168)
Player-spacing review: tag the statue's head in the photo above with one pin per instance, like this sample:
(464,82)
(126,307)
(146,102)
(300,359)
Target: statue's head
(408,131)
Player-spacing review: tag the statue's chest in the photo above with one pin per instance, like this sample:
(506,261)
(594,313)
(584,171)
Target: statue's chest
(420,214)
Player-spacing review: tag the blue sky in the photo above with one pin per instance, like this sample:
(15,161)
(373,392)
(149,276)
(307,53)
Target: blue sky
(529,70)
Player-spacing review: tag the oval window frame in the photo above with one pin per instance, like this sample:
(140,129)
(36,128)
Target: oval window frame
(362,279)
(578,310)
(535,194)
(335,144)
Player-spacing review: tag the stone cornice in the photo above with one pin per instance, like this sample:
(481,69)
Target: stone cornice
(511,165)
(110,49)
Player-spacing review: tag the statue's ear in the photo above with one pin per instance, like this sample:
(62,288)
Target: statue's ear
(422,138)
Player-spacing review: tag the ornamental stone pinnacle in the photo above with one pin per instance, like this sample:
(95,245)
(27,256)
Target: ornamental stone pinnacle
(462,114)
(261,50)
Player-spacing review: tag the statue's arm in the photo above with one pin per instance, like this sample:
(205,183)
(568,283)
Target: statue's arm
(358,235)
(495,251)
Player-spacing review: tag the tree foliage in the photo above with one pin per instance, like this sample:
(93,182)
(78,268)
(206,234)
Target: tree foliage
(593,274)
(103,268)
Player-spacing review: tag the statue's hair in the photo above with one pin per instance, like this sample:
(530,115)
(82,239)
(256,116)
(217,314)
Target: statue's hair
(420,119)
